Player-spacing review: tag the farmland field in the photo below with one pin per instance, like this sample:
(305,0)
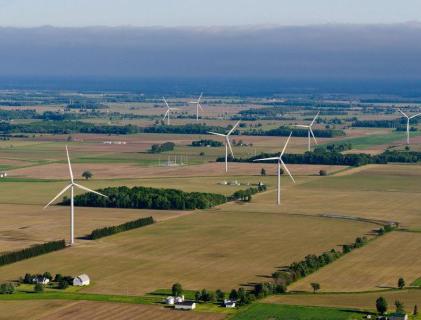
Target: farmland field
(361,301)
(203,250)
(375,266)
(51,310)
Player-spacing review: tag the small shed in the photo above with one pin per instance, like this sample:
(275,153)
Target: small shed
(229,303)
(185,305)
(170,300)
(82,280)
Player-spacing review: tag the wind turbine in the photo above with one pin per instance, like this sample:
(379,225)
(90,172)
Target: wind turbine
(310,131)
(198,106)
(227,143)
(167,114)
(280,162)
(408,118)
(71,186)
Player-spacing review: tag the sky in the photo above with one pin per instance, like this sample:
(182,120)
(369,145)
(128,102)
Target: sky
(171,13)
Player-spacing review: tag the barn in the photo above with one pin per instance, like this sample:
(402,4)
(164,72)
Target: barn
(82,280)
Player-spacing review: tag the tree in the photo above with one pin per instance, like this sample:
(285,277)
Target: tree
(47,275)
(263,172)
(58,277)
(381,305)
(401,283)
(399,306)
(87,174)
(315,286)
(281,171)
(415,310)
(197,296)
(7,288)
(220,295)
(177,290)
(233,295)
(38,288)
(63,284)
(323,173)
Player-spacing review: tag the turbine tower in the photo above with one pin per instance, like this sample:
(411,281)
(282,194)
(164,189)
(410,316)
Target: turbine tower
(167,114)
(280,163)
(310,131)
(408,118)
(227,143)
(71,186)
(198,106)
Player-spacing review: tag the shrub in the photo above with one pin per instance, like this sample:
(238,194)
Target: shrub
(323,173)
(38,288)
(63,284)
(7,288)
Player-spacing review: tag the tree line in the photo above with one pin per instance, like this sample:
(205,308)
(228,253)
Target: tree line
(148,198)
(284,131)
(164,147)
(395,123)
(334,157)
(206,142)
(36,250)
(108,231)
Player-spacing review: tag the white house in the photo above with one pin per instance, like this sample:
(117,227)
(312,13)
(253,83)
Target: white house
(179,299)
(82,280)
(229,303)
(41,280)
(185,305)
(170,300)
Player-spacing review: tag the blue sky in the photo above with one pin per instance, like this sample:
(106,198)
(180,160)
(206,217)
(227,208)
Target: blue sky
(28,13)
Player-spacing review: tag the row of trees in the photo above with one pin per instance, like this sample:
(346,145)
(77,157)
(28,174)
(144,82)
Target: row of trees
(324,156)
(206,142)
(382,306)
(246,195)
(164,147)
(148,198)
(36,250)
(108,231)
(285,131)
(395,123)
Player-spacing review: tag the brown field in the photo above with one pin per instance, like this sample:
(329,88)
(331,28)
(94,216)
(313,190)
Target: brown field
(63,310)
(212,249)
(25,225)
(363,301)
(378,265)
(123,170)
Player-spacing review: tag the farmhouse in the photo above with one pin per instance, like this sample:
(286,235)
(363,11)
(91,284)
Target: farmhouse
(170,300)
(82,280)
(41,280)
(185,305)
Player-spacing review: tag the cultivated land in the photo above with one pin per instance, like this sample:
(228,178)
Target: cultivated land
(378,265)
(214,249)
(51,310)
(362,301)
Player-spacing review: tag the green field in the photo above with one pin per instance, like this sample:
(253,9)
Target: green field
(263,311)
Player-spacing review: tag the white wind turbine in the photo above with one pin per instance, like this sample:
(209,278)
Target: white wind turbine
(408,118)
(227,143)
(198,106)
(167,114)
(71,186)
(280,162)
(310,130)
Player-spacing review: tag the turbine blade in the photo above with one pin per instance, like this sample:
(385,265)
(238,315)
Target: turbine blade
(229,145)
(312,122)
(166,114)
(285,146)
(403,113)
(287,170)
(57,196)
(89,190)
(267,159)
(200,97)
(416,115)
(70,166)
(217,134)
(163,98)
(233,128)
(301,126)
(312,133)
(200,106)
